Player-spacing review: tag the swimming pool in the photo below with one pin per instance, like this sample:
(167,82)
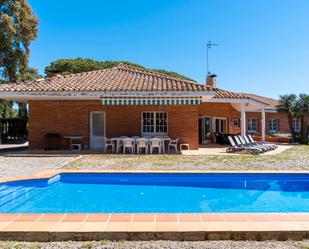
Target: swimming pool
(157,193)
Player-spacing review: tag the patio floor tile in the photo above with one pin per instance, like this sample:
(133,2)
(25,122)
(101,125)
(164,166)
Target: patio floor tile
(93,226)
(192,226)
(299,217)
(143,226)
(17,226)
(3,224)
(279,217)
(121,218)
(304,224)
(67,226)
(212,217)
(143,218)
(217,226)
(97,218)
(74,218)
(28,217)
(189,217)
(51,217)
(242,226)
(257,217)
(291,226)
(42,226)
(234,217)
(8,217)
(118,226)
(167,226)
(166,218)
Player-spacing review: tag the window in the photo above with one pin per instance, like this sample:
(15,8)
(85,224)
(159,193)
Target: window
(296,125)
(220,125)
(236,122)
(252,125)
(154,122)
(273,125)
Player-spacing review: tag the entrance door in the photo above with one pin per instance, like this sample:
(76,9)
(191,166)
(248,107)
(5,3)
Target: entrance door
(97,130)
(204,130)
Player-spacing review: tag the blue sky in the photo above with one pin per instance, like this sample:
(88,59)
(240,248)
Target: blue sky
(264,44)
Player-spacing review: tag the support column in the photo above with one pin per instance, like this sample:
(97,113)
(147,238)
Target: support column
(243,120)
(263,124)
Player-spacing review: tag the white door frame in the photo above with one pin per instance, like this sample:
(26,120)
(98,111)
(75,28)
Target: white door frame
(90,129)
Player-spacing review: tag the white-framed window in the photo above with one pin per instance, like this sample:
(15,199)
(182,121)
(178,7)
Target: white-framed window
(252,125)
(220,125)
(236,122)
(296,125)
(273,125)
(154,123)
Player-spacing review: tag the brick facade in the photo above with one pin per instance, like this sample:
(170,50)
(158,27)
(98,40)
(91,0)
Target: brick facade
(72,118)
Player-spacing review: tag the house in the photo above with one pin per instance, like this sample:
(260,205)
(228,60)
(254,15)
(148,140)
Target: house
(128,100)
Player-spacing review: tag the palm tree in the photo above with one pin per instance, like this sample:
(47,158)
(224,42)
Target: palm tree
(287,104)
(302,110)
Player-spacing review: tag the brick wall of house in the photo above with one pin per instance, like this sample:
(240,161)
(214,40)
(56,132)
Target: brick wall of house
(283,121)
(226,110)
(72,118)
(221,110)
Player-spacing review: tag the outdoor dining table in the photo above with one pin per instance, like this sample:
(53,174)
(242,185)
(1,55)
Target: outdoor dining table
(117,140)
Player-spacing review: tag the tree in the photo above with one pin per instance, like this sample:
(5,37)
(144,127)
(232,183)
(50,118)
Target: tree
(18,28)
(287,105)
(79,65)
(302,110)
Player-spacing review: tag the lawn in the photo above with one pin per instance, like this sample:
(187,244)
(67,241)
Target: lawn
(295,158)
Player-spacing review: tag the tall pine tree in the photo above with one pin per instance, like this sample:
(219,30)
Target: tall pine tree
(18,28)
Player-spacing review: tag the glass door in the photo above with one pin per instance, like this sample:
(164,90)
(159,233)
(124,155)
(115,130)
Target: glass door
(97,130)
(205,130)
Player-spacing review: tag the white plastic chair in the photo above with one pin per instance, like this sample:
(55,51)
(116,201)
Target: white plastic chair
(142,143)
(108,143)
(128,143)
(173,144)
(155,143)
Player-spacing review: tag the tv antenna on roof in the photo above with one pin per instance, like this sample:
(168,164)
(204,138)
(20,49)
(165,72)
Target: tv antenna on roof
(209,45)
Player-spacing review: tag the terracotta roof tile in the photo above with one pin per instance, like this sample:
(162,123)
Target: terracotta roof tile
(120,78)
(273,103)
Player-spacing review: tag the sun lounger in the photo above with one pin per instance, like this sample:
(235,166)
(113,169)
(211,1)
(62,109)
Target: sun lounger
(264,148)
(252,141)
(237,146)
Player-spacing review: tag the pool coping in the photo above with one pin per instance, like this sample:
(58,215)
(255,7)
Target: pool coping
(150,226)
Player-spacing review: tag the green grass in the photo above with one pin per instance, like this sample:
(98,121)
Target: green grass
(295,158)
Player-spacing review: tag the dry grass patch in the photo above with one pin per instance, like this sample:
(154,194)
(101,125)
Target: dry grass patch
(295,158)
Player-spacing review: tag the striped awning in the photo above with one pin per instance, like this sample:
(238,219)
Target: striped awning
(151,101)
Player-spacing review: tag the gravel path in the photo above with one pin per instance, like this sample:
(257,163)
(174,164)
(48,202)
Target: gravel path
(159,245)
(25,166)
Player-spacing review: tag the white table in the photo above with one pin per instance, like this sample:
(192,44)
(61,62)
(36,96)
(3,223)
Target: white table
(117,140)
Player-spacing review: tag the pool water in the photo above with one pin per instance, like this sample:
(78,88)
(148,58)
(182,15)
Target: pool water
(157,193)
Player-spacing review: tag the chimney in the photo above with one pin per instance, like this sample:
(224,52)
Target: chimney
(211,80)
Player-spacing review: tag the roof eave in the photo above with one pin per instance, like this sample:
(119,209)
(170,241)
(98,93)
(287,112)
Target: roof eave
(96,95)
